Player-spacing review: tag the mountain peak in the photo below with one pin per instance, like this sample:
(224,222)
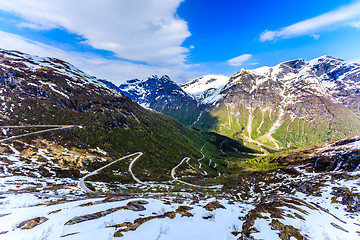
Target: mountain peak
(295,64)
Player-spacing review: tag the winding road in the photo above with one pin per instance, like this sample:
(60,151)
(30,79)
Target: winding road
(86,189)
(190,184)
(57,127)
(204,173)
(187,161)
(81,183)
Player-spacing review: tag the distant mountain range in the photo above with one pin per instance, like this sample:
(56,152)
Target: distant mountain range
(163,95)
(292,104)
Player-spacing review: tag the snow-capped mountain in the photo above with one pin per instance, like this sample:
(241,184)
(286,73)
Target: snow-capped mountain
(48,91)
(58,84)
(163,95)
(335,76)
(206,89)
(310,98)
(342,79)
(296,101)
(155,91)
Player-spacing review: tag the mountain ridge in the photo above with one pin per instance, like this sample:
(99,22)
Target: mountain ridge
(49,91)
(256,104)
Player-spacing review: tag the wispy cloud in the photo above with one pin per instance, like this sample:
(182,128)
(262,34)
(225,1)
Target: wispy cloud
(343,15)
(116,71)
(240,60)
(355,24)
(146,31)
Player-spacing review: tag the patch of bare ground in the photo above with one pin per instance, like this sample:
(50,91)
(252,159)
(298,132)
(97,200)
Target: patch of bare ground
(347,197)
(211,206)
(31,223)
(133,206)
(273,205)
(128,226)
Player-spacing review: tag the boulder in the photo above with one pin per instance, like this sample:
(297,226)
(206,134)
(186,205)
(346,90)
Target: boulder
(31,223)
(136,205)
(211,206)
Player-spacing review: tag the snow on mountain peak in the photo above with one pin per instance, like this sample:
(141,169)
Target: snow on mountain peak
(204,83)
(15,61)
(31,62)
(206,89)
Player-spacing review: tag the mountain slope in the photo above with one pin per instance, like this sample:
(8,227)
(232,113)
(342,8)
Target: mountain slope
(288,105)
(163,95)
(206,89)
(341,78)
(49,91)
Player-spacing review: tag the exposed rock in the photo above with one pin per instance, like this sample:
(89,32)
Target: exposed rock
(211,206)
(348,198)
(310,188)
(184,211)
(86,204)
(56,211)
(67,173)
(142,202)
(31,223)
(128,226)
(338,227)
(136,205)
(163,95)
(115,199)
(69,234)
(92,216)
(286,231)
(273,205)
(118,234)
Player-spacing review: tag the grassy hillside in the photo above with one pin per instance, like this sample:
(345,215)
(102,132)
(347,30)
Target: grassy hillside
(293,132)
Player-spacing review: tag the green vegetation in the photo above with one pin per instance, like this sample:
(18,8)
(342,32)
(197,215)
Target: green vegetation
(319,126)
(186,114)
(256,164)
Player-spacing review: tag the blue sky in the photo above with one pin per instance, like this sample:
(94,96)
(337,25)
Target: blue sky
(119,40)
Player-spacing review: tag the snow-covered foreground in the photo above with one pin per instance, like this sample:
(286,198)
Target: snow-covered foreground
(315,216)
(218,223)
(319,216)
(289,203)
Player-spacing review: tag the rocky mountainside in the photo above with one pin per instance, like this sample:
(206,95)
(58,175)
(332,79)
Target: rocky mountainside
(46,91)
(342,80)
(163,95)
(206,89)
(295,103)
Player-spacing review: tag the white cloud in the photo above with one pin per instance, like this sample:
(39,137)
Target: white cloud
(238,61)
(140,30)
(355,24)
(341,15)
(116,71)
(316,36)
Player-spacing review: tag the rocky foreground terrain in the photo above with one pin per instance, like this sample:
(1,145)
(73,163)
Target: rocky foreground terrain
(313,194)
